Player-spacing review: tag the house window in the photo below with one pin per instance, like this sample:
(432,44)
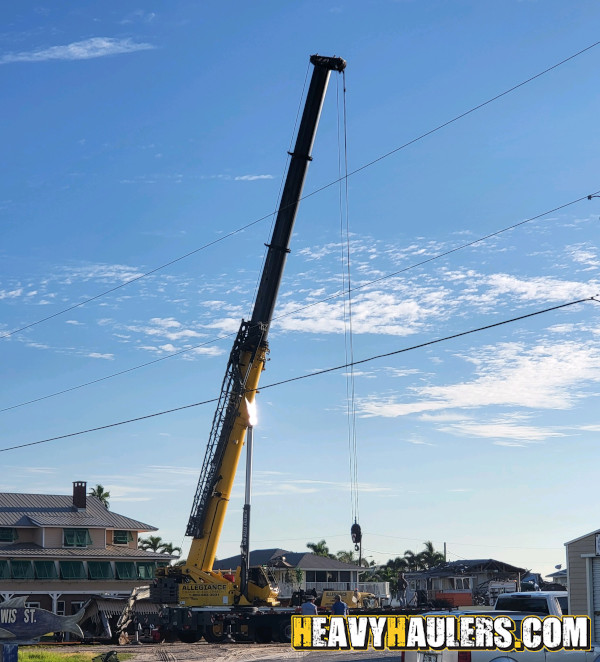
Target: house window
(8,535)
(345,576)
(125,570)
(21,569)
(311,576)
(321,576)
(4,571)
(461,583)
(60,608)
(76,606)
(76,538)
(146,570)
(122,537)
(72,570)
(45,570)
(100,570)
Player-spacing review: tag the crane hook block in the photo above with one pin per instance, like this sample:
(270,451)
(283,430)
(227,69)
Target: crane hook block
(356,533)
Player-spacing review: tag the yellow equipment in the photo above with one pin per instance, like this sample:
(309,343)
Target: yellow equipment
(195,584)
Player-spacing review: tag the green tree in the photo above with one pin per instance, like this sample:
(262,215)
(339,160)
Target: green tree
(100,494)
(352,557)
(320,549)
(151,543)
(169,548)
(413,561)
(429,558)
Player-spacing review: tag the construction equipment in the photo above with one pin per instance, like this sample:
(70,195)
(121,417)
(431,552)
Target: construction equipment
(195,587)
(354,599)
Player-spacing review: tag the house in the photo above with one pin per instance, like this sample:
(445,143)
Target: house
(559,578)
(463,582)
(292,571)
(59,550)
(583,578)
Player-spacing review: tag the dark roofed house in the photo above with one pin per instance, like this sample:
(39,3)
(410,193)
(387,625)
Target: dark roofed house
(303,570)
(59,550)
(466,582)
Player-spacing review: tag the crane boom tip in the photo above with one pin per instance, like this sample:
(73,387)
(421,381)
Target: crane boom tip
(331,63)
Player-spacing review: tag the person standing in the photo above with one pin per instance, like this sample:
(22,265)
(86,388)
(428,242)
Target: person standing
(402,586)
(309,608)
(339,608)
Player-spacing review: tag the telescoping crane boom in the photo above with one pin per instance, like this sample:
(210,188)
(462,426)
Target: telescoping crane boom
(195,584)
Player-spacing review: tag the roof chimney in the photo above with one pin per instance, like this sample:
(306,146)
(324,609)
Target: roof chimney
(79,495)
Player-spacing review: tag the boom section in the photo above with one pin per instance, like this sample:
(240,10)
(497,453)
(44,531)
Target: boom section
(250,347)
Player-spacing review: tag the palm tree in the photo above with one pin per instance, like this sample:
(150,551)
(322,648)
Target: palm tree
(169,548)
(412,560)
(347,557)
(352,558)
(320,549)
(429,558)
(151,543)
(100,494)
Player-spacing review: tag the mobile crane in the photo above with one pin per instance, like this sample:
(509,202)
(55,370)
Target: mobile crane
(211,603)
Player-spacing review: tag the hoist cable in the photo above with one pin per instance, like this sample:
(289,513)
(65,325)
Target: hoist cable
(352,381)
(347,300)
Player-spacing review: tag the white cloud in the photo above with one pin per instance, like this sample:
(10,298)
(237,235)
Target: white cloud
(96,355)
(11,294)
(167,327)
(251,178)
(545,376)
(101,272)
(535,289)
(502,430)
(78,50)
(138,16)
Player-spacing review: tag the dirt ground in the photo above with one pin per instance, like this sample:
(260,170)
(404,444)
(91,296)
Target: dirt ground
(179,652)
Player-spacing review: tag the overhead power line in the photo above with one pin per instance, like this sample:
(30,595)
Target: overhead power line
(307,306)
(309,376)
(304,197)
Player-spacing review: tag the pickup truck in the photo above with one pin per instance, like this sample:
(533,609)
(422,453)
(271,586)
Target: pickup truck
(517,606)
(549,603)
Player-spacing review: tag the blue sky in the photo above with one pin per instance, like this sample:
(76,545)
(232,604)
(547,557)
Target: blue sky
(134,134)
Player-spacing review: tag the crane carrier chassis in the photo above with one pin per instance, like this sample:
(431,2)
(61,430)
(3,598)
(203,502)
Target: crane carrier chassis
(247,624)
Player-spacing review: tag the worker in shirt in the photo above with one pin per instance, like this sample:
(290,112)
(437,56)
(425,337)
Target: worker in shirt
(309,608)
(339,608)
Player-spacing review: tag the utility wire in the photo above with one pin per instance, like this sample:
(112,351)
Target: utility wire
(304,197)
(461,544)
(301,377)
(307,306)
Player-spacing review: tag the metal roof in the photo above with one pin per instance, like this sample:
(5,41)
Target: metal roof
(113,552)
(41,510)
(302,560)
(465,566)
(591,533)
